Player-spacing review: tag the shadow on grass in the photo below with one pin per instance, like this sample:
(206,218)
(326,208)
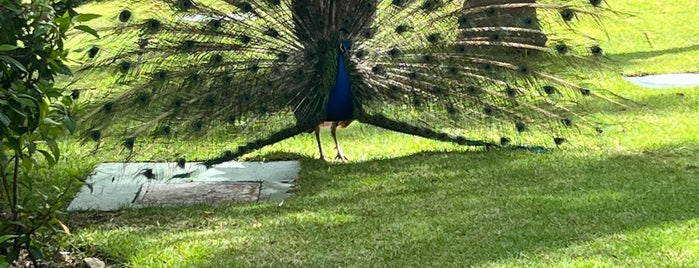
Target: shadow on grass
(428,209)
(626,58)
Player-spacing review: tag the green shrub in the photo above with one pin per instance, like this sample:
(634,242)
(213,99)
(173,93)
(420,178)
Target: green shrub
(33,114)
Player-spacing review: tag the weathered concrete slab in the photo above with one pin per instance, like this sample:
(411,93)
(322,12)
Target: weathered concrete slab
(116,185)
(666,80)
(199,192)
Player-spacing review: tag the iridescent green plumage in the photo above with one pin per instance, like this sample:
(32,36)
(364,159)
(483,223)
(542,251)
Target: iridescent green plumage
(471,72)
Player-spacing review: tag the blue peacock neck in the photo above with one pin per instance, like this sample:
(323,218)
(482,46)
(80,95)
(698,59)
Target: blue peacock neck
(340,106)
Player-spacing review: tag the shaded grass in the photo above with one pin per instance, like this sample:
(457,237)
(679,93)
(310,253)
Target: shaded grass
(428,209)
(625,198)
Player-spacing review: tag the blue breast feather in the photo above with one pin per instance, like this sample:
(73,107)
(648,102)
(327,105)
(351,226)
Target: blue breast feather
(340,106)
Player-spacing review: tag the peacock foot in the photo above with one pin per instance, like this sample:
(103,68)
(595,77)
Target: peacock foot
(341,157)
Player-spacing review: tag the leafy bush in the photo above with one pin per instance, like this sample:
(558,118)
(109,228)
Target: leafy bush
(33,114)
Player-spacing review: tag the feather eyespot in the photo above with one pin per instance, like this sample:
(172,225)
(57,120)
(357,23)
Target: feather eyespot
(245,7)
(185,5)
(215,24)
(282,57)
(96,135)
(549,89)
(523,69)
(198,125)
(461,48)
(272,33)
(143,98)
(451,110)
(125,15)
(361,54)
(166,130)
(129,143)
(92,53)
(161,75)
(460,140)
(562,48)
(596,50)
(527,21)
(178,103)
(124,67)
(395,52)
(181,162)
(245,39)
(75,94)
(488,111)
(417,102)
(566,122)
(511,91)
(463,21)
(473,90)
(429,5)
(400,29)
(452,70)
(368,34)
(585,92)
(433,38)
(227,80)
(216,59)
(567,14)
(520,127)
(558,140)
(595,3)
(108,107)
(189,44)
(490,11)
(378,70)
(504,141)
(152,25)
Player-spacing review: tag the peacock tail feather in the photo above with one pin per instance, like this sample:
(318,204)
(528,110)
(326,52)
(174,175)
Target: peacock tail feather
(477,73)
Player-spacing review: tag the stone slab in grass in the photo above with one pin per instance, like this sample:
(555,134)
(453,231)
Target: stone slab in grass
(198,192)
(665,80)
(118,185)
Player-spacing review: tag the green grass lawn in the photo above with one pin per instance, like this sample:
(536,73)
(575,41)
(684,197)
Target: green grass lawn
(627,198)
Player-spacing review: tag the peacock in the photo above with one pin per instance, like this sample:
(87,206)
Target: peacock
(476,73)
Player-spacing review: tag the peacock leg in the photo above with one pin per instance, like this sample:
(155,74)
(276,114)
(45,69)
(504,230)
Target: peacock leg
(320,148)
(340,155)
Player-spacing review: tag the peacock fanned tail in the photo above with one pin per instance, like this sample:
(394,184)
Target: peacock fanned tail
(263,70)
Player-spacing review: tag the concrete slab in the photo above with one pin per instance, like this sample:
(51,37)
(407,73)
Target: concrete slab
(665,80)
(116,185)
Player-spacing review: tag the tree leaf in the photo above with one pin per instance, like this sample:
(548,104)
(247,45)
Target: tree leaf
(85,17)
(6,47)
(87,29)
(53,146)
(6,237)
(11,61)
(69,123)
(49,157)
(35,252)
